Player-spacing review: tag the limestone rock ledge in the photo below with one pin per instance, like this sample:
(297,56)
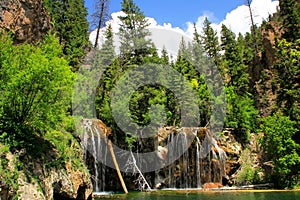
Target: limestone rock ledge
(46,183)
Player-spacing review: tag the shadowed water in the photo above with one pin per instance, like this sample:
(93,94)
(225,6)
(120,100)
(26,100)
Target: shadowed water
(224,195)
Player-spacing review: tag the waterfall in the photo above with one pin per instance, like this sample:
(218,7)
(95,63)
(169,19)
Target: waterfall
(203,162)
(185,163)
(178,171)
(198,167)
(95,153)
(171,182)
(188,166)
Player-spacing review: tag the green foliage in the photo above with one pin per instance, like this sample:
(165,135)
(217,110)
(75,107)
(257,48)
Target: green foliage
(288,69)
(107,50)
(68,151)
(210,42)
(69,19)
(289,11)
(8,169)
(233,63)
(133,33)
(164,56)
(241,115)
(130,140)
(282,149)
(248,173)
(35,88)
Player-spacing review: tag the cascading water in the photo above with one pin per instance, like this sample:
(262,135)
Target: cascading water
(198,166)
(95,153)
(203,162)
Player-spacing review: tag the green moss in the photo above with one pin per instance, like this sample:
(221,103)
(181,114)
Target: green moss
(68,150)
(8,171)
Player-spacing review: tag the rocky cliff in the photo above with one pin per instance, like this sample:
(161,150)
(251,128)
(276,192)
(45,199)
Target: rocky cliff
(266,87)
(27,20)
(44,173)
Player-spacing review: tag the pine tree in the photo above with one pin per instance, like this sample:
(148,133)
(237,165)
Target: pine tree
(241,113)
(164,56)
(289,10)
(69,18)
(183,63)
(107,50)
(197,37)
(105,57)
(237,71)
(211,42)
(135,45)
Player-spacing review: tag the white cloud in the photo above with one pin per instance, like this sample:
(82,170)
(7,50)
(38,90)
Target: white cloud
(162,35)
(199,24)
(166,36)
(238,20)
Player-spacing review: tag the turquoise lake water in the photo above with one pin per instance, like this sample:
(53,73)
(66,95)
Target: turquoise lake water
(223,195)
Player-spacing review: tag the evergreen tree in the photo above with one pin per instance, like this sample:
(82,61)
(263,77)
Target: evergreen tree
(135,45)
(183,63)
(164,56)
(289,11)
(69,19)
(197,37)
(107,50)
(211,42)
(107,60)
(236,70)
(241,113)
(249,50)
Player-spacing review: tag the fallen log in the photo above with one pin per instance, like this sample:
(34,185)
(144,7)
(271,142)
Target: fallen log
(117,166)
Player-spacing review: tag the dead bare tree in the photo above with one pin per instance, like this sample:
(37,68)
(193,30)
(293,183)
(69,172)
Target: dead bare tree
(100,16)
(248,3)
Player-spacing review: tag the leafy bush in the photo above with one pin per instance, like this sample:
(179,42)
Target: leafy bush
(282,149)
(248,173)
(35,88)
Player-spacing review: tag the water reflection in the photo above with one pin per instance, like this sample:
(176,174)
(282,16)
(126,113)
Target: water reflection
(224,195)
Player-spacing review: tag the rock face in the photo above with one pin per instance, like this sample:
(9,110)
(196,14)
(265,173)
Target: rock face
(272,31)
(57,184)
(266,88)
(233,151)
(26,19)
(35,180)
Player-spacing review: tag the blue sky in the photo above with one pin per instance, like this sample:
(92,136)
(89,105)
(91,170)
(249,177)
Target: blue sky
(178,12)
(170,20)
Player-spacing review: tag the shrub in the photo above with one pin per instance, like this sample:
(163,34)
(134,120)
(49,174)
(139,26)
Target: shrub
(282,149)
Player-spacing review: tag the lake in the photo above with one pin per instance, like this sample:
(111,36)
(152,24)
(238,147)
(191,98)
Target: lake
(219,195)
